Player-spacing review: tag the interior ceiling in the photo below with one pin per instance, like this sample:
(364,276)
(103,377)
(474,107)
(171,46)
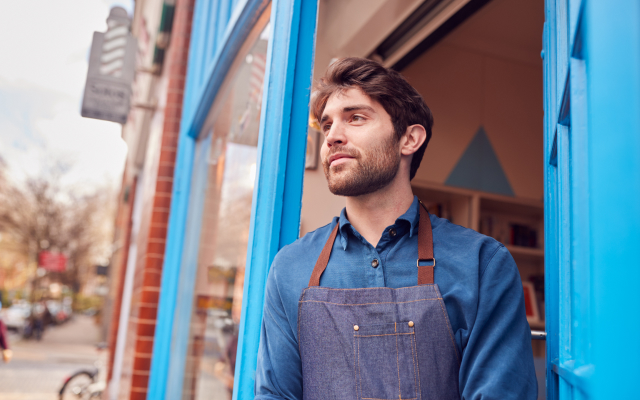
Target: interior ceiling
(509,26)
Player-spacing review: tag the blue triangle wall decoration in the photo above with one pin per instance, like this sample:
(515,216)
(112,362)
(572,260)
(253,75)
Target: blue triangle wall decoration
(479,168)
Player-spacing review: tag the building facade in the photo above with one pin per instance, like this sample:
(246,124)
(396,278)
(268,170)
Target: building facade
(163,30)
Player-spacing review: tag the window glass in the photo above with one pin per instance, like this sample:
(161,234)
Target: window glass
(231,129)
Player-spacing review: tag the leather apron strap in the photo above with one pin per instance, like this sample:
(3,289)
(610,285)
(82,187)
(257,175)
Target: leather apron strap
(425,264)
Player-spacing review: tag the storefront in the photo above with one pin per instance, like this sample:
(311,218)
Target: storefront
(238,192)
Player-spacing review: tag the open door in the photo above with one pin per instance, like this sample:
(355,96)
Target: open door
(592,183)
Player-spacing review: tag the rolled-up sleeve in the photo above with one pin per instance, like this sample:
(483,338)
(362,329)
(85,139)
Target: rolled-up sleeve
(497,362)
(278,372)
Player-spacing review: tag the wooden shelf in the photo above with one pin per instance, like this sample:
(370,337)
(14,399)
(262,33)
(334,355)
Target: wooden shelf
(472,209)
(529,252)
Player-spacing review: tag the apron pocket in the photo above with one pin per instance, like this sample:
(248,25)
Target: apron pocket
(386,362)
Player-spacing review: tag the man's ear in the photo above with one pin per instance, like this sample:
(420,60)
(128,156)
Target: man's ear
(413,138)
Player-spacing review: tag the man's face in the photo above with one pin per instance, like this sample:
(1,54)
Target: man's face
(360,153)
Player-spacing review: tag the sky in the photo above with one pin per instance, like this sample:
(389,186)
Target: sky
(43,66)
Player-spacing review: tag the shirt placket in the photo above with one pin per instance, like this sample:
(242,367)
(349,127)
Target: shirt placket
(379,255)
(373,263)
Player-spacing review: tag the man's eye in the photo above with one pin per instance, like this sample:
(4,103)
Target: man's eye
(326,127)
(357,118)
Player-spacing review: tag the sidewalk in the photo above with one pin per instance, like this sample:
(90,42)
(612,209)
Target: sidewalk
(38,369)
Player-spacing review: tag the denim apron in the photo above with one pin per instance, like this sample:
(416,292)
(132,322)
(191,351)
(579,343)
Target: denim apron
(378,343)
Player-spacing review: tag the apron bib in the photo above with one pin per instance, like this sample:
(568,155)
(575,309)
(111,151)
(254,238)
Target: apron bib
(378,343)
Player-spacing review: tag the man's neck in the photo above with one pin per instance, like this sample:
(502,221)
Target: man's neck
(372,213)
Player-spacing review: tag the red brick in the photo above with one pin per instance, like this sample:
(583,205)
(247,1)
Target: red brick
(163,201)
(154,264)
(176,83)
(173,110)
(171,139)
(149,296)
(180,69)
(159,218)
(167,156)
(146,329)
(171,126)
(139,381)
(164,186)
(158,232)
(148,312)
(173,98)
(179,41)
(156,247)
(144,346)
(138,394)
(168,148)
(177,90)
(141,362)
(152,278)
(171,118)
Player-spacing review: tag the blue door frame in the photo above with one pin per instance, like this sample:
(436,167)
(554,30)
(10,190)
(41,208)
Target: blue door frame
(220,27)
(592,186)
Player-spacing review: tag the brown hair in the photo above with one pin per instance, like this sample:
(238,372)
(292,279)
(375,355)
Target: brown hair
(386,86)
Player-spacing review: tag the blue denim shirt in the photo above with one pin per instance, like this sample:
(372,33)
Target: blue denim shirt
(478,279)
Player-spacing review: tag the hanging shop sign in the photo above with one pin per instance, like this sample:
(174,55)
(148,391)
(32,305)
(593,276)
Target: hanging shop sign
(52,261)
(107,91)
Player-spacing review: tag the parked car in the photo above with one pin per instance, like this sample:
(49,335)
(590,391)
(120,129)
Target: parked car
(59,313)
(16,317)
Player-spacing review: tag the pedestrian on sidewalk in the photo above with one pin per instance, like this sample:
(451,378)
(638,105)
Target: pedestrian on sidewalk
(4,341)
(38,318)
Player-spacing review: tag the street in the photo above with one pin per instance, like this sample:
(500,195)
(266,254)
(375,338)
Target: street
(38,369)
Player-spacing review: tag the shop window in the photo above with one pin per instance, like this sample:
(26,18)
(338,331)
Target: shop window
(222,190)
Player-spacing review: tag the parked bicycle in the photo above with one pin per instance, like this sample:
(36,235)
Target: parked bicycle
(86,383)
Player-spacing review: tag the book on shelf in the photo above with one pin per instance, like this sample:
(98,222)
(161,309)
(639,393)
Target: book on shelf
(507,232)
(522,235)
(531,304)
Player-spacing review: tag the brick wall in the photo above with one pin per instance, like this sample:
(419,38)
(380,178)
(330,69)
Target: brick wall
(157,184)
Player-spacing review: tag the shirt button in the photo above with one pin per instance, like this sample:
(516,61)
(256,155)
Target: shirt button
(392,232)
(374,263)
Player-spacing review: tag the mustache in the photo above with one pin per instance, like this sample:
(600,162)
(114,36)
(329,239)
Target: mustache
(341,149)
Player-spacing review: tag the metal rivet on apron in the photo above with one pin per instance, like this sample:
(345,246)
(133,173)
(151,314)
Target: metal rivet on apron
(356,327)
(410,324)
(374,263)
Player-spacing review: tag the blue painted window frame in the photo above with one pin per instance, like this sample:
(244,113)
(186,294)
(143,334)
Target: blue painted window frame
(592,183)
(277,197)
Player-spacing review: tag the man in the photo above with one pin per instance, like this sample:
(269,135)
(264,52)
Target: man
(387,301)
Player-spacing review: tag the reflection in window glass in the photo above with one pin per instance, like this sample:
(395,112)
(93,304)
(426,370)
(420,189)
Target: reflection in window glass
(232,128)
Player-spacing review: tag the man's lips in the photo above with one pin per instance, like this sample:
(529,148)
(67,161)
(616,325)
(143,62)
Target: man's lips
(339,158)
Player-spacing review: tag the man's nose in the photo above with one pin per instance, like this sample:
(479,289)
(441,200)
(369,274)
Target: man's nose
(336,135)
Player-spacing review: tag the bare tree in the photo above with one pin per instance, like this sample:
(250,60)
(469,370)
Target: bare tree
(42,214)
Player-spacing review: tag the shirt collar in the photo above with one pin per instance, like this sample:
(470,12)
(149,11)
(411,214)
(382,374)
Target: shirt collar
(412,216)
(344,225)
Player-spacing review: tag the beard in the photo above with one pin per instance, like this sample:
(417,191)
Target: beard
(372,171)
